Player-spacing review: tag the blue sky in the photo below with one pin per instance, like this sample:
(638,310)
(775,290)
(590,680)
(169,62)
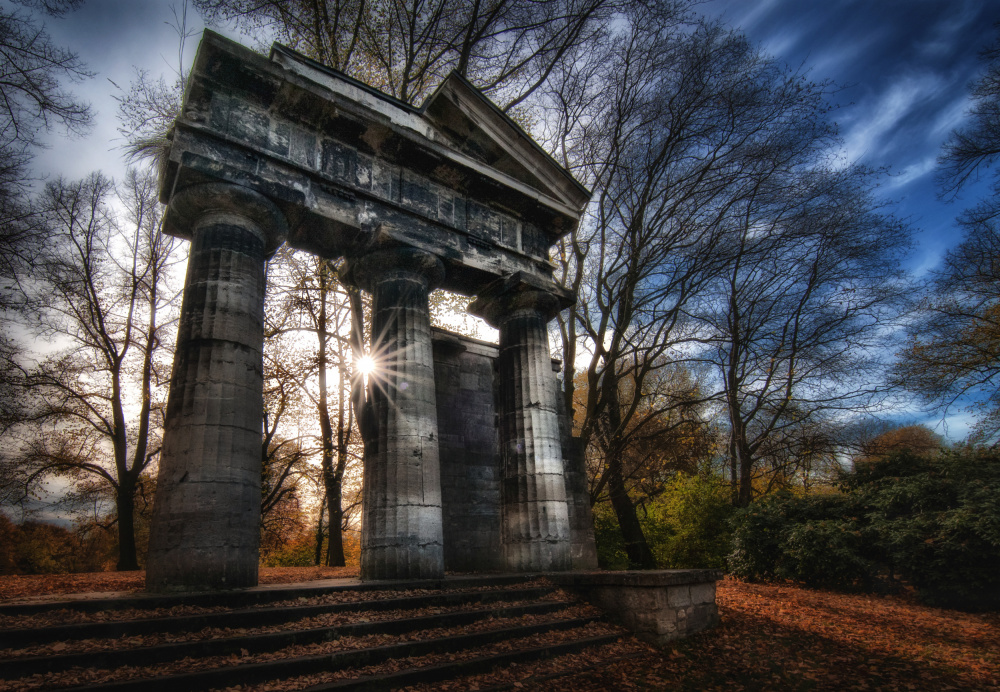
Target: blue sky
(902,70)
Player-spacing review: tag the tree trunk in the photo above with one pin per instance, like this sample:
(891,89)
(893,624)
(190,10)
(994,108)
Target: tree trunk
(741,460)
(125,506)
(636,547)
(318,557)
(746,476)
(734,472)
(335,550)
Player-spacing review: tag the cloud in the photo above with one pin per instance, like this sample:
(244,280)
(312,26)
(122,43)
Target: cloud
(955,428)
(873,130)
(913,172)
(948,30)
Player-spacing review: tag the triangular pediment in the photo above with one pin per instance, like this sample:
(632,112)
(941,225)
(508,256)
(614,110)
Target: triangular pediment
(479,129)
(460,116)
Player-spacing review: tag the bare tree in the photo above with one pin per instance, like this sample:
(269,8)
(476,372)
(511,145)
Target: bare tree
(952,357)
(799,323)
(148,107)
(33,101)
(509,48)
(667,153)
(284,459)
(308,299)
(699,147)
(101,289)
(972,148)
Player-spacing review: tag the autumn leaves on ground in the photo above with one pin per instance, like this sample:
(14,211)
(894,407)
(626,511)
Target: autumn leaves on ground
(771,637)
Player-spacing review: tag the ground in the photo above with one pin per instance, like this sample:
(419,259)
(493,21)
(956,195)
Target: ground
(772,637)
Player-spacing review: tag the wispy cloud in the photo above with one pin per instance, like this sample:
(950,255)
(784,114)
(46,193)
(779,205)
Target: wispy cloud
(955,428)
(912,172)
(951,27)
(873,129)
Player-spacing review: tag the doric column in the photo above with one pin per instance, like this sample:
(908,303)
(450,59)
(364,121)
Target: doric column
(206,515)
(401,532)
(535,527)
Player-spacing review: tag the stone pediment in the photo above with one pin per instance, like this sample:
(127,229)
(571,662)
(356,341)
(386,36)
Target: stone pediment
(351,167)
(478,128)
(457,114)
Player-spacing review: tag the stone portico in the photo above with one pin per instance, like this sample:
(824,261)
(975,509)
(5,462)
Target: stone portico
(450,195)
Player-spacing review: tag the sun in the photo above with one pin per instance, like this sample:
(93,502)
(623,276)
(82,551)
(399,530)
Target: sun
(366,365)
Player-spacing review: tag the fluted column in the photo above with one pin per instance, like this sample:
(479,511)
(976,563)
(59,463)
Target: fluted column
(535,529)
(206,515)
(401,532)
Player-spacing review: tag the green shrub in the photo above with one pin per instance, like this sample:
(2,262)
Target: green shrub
(608,537)
(758,537)
(933,521)
(688,525)
(937,522)
(825,553)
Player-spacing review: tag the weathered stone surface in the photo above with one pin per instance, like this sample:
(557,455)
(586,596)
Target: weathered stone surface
(451,194)
(401,533)
(583,549)
(535,530)
(339,158)
(204,533)
(470,463)
(659,606)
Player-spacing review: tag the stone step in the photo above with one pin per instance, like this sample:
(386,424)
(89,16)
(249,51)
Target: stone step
(456,669)
(540,673)
(350,635)
(375,640)
(351,664)
(222,645)
(259,595)
(257,617)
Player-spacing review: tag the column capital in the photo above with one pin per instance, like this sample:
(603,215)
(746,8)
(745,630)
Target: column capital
(190,206)
(368,269)
(520,291)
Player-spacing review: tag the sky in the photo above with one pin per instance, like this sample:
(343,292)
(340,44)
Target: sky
(902,69)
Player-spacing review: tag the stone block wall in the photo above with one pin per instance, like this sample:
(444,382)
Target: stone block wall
(465,384)
(470,469)
(658,606)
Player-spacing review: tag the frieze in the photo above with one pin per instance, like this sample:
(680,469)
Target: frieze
(384,180)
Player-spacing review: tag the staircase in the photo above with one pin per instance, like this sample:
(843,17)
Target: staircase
(333,635)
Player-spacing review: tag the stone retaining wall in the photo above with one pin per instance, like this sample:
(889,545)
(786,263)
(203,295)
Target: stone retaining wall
(659,606)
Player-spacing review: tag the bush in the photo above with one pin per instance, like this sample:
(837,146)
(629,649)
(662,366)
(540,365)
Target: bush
(688,525)
(608,538)
(937,522)
(934,521)
(827,553)
(758,538)
(35,547)
(300,551)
